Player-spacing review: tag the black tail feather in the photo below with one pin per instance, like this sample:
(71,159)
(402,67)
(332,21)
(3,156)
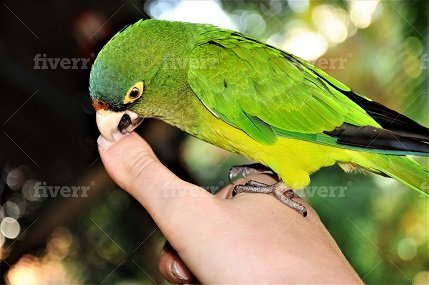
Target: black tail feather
(376,138)
(390,119)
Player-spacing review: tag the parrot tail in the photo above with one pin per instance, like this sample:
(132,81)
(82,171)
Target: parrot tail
(403,169)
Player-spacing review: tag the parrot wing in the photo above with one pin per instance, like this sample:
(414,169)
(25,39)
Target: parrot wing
(268,93)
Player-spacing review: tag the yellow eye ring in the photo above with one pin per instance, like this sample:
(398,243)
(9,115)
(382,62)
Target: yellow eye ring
(134,92)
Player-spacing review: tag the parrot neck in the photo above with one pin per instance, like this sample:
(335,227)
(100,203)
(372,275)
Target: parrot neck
(174,101)
(185,113)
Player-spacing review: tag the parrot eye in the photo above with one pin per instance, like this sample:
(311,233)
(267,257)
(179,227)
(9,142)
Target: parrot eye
(134,92)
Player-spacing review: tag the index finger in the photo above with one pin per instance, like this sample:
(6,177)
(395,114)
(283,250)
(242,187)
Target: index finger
(170,201)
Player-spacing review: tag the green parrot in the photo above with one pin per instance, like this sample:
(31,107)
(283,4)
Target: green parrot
(251,98)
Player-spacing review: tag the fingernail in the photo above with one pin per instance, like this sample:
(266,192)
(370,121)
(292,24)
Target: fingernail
(118,135)
(105,144)
(177,272)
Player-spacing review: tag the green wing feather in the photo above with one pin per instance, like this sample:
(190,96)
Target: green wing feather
(268,93)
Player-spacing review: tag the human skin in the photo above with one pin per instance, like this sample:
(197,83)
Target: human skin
(252,238)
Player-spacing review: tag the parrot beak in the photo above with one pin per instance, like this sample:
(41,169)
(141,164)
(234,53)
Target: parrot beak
(108,122)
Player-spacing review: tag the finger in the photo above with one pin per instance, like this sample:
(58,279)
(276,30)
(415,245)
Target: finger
(226,192)
(172,267)
(133,166)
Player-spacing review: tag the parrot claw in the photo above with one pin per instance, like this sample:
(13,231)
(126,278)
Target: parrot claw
(279,190)
(237,171)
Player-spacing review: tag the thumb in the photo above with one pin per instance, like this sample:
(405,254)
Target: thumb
(170,201)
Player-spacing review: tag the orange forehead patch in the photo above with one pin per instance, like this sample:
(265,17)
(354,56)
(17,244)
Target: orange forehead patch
(99,105)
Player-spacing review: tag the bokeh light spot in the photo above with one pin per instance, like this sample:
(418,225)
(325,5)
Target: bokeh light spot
(12,209)
(208,12)
(332,22)
(10,228)
(421,278)
(305,43)
(15,178)
(361,12)
(299,6)
(407,249)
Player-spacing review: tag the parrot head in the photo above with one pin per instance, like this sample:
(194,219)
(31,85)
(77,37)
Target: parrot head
(127,80)
(114,106)
(117,83)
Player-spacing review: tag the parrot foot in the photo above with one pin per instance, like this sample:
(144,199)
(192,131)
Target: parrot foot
(246,170)
(279,190)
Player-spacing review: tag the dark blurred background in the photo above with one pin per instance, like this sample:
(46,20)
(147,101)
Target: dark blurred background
(48,137)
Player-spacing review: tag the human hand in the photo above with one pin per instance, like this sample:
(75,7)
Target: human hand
(252,238)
